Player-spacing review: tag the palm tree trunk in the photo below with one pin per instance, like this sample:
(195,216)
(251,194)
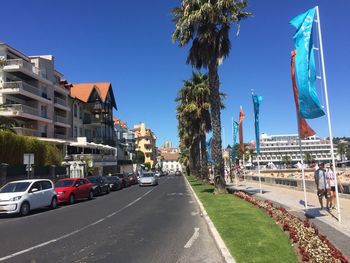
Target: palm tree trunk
(197,165)
(192,161)
(204,159)
(216,126)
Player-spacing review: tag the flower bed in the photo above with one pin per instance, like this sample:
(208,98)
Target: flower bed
(311,245)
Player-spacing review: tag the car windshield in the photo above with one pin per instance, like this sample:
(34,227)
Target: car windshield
(93,179)
(111,179)
(15,187)
(64,183)
(148,175)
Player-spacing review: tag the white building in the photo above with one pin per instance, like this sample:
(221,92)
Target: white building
(32,93)
(170,162)
(273,148)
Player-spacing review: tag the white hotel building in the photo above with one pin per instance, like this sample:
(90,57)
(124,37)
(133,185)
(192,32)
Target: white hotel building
(274,147)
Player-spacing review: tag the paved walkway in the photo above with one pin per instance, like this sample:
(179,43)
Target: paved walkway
(293,200)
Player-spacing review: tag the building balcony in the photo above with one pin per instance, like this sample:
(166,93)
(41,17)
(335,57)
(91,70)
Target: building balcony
(22,88)
(61,104)
(96,158)
(61,121)
(26,131)
(60,89)
(92,121)
(23,111)
(20,65)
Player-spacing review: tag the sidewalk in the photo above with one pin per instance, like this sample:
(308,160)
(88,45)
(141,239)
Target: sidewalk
(293,201)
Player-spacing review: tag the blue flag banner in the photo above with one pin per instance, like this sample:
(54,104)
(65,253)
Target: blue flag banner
(309,104)
(235,131)
(209,154)
(256,101)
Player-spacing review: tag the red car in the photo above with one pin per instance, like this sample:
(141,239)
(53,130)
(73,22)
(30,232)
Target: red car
(71,189)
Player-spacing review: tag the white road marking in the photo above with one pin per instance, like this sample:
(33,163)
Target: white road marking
(78,230)
(190,202)
(193,238)
(194,213)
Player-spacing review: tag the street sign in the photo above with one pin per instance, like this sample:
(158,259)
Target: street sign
(28,158)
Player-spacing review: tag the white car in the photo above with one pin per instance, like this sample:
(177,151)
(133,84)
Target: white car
(148,179)
(25,195)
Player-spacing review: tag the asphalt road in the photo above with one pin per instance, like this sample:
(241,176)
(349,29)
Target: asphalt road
(136,224)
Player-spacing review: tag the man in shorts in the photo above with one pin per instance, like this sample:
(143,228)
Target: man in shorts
(323,188)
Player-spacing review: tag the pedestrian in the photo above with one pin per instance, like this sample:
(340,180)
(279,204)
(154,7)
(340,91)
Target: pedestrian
(323,188)
(331,178)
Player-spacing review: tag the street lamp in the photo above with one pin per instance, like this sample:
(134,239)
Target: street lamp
(66,161)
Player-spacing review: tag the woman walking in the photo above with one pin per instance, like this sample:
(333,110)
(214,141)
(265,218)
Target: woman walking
(331,179)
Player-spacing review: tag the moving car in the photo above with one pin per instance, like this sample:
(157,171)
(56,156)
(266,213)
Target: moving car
(99,185)
(148,179)
(178,173)
(114,182)
(71,189)
(25,195)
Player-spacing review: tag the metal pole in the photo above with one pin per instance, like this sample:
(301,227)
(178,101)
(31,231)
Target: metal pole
(328,111)
(257,157)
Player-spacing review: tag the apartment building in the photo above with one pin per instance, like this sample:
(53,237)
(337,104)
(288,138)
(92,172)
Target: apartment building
(33,94)
(125,139)
(273,148)
(92,112)
(145,141)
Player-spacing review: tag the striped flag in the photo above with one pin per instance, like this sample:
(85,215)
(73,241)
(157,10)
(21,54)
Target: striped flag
(240,128)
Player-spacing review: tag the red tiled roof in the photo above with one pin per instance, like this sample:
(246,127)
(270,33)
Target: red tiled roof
(83,91)
(170,156)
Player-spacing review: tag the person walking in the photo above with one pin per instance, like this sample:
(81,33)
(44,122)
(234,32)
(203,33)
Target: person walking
(331,179)
(323,188)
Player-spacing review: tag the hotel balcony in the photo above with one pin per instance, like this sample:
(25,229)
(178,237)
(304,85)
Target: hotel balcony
(27,131)
(61,121)
(21,67)
(60,89)
(22,112)
(61,104)
(22,88)
(96,158)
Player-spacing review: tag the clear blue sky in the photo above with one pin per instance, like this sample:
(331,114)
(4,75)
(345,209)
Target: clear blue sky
(129,44)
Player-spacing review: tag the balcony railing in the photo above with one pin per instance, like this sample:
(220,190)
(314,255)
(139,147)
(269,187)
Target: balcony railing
(91,120)
(26,131)
(20,108)
(23,64)
(22,85)
(60,101)
(95,157)
(60,119)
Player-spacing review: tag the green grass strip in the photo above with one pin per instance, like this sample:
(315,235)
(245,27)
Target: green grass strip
(249,233)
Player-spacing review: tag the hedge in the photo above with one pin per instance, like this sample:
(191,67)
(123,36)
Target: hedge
(13,146)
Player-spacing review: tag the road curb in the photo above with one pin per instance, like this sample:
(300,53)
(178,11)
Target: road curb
(225,253)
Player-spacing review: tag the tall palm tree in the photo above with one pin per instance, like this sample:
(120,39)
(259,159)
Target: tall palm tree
(207,23)
(194,120)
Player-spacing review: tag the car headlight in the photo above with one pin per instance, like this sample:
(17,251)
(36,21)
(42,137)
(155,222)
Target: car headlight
(61,193)
(16,198)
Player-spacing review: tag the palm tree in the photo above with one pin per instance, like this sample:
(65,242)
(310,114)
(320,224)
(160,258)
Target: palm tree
(308,158)
(207,23)
(194,121)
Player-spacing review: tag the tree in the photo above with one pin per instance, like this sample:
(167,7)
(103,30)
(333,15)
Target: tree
(139,157)
(308,158)
(7,124)
(341,150)
(206,24)
(194,121)
(286,160)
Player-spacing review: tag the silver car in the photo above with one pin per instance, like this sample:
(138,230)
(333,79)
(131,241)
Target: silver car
(148,179)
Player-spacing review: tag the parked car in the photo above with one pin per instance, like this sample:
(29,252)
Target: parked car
(148,179)
(178,173)
(114,182)
(99,185)
(132,178)
(71,189)
(23,196)
(124,179)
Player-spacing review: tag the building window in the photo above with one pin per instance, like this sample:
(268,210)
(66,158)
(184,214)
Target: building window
(80,132)
(75,110)
(44,111)
(75,134)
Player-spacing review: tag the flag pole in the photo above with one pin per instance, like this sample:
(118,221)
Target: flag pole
(257,157)
(328,111)
(302,163)
(233,161)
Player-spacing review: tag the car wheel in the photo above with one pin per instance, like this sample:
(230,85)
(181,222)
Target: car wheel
(91,195)
(53,203)
(71,199)
(108,190)
(25,209)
